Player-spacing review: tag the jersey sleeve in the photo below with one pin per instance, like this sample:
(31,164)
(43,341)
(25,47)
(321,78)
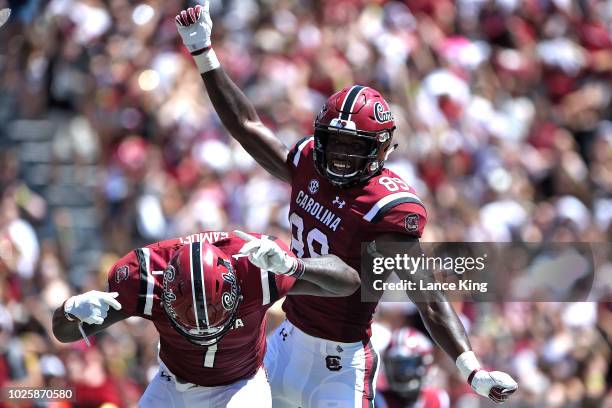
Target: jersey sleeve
(404,213)
(124,278)
(261,288)
(270,286)
(283,282)
(296,154)
(406,219)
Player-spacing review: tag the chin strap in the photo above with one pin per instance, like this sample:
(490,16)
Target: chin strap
(390,150)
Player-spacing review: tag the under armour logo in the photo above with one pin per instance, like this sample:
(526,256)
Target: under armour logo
(165,376)
(338,203)
(283,333)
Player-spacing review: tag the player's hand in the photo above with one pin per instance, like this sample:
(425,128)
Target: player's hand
(194,25)
(92,307)
(266,254)
(495,385)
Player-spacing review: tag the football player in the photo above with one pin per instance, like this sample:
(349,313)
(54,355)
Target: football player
(406,360)
(342,196)
(208,302)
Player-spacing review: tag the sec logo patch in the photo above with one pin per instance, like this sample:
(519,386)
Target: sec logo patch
(411,223)
(313,186)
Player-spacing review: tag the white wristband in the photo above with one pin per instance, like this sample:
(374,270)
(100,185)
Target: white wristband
(207,61)
(466,363)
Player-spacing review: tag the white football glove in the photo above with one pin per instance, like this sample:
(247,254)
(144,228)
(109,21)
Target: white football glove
(92,307)
(495,385)
(194,25)
(266,254)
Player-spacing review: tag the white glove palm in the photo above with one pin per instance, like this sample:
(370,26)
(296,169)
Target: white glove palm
(92,307)
(266,254)
(195,26)
(495,385)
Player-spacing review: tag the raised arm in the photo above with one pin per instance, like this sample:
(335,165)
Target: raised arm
(95,310)
(234,109)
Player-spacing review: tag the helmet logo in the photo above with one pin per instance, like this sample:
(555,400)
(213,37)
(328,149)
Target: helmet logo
(169,274)
(313,186)
(381,115)
(168,294)
(229,299)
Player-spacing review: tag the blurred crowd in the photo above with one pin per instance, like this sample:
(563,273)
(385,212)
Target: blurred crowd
(504,116)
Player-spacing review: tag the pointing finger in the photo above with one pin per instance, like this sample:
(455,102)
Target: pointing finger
(244,235)
(249,247)
(262,251)
(110,300)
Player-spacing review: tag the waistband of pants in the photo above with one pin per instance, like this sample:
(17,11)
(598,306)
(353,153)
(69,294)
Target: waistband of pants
(180,385)
(319,345)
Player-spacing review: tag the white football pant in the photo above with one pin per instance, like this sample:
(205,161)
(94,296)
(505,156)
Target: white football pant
(165,391)
(310,372)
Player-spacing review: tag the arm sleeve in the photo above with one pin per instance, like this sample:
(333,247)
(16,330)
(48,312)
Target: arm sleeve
(405,218)
(294,157)
(263,288)
(283,282)
(273,287)
(124,278)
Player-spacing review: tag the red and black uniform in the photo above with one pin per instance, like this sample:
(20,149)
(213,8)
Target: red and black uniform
(326,219)
(138,278)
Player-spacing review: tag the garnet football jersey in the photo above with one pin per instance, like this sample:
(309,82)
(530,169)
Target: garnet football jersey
(326,219)
(138,278)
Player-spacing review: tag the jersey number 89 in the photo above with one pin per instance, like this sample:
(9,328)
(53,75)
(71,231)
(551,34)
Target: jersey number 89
(314,235)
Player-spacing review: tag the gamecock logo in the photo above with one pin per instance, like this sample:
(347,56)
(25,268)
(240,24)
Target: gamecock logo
(122,273)
(169,274)
(168,295)
(380,114)
(333,363)
(411,222)
(229,299)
